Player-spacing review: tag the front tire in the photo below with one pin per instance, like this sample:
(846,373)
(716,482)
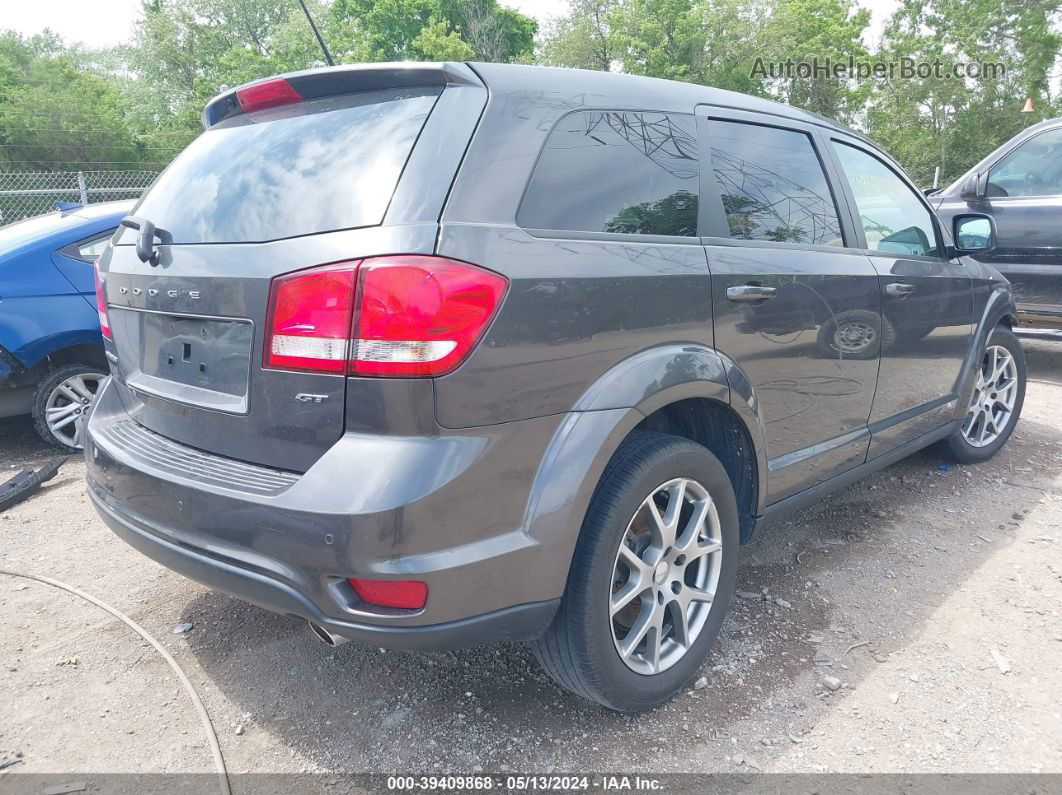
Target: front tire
(651,579)
(994,404)
(62,402)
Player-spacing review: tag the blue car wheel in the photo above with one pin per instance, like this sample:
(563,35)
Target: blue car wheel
(62,403)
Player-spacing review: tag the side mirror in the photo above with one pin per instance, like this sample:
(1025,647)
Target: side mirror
(974,233)
(975,188)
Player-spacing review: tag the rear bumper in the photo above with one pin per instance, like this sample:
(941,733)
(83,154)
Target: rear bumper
(290,548)
(513,623)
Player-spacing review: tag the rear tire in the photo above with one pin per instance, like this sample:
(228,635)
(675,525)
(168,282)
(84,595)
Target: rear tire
(582,648)
(62,402)
(989,422)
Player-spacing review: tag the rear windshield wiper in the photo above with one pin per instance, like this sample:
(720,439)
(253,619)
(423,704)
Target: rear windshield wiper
(145,242)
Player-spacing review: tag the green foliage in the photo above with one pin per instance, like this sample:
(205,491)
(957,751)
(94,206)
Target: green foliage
(436,42)
(926,123)
(826,30)
(138,105)
(950,123)
(55,115)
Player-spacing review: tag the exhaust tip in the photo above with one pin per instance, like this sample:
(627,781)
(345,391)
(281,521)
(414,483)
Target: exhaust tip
(325,636)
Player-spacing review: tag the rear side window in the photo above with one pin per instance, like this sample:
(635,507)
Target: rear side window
(617,172)
(317,166)
(772,185)
(90,250)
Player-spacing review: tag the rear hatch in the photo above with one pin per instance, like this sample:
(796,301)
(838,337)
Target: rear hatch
(258,194)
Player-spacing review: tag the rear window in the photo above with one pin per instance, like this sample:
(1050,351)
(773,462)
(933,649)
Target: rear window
(618,172)
(318,166)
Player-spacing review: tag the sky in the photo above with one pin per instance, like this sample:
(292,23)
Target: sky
(103,23)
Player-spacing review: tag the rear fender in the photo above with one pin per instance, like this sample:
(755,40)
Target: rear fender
(602,418)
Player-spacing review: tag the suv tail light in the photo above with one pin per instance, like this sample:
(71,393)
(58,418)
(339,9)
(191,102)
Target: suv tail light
(386,316)
(101,304)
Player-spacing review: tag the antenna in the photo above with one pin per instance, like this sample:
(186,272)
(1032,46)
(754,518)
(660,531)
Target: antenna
(317,33)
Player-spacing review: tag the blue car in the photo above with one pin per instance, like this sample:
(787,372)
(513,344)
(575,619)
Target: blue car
(51,351)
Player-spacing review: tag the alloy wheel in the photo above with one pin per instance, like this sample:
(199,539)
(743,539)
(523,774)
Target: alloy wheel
(68,405)
(665,576)
(993,399)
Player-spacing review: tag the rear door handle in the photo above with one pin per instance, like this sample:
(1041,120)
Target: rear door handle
(750,292)
(898,290)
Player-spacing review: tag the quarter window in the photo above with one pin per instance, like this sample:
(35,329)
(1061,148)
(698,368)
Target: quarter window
(772,185)
(894,219)
(90,250)
(1033,169)
(617,172)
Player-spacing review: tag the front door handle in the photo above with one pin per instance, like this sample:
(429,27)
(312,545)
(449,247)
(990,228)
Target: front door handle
(750,292)
(898,290)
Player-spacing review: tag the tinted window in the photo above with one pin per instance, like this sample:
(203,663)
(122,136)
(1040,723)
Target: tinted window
(620,172)
(894,219)
(313,167)
(1033,169)
(772,185)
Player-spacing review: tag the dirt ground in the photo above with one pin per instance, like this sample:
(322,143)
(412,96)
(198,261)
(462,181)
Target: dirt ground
(932,596)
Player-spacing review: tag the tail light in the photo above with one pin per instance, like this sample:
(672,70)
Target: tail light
(310,314)
(408,594)
(101,304)
(385,316)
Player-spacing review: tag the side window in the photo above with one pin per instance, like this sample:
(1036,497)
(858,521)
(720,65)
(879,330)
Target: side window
(894,219)
(91,249)
(1033,169)
(772,185)
(619,172)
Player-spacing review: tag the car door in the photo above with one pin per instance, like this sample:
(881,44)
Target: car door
(786,292)
(927,309)
(1024,196)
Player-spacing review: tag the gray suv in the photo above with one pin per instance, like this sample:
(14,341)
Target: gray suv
(438,355)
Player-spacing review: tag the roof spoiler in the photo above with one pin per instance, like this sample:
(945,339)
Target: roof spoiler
(347,79)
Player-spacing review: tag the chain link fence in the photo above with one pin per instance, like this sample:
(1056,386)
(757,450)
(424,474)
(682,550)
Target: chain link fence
(24,194)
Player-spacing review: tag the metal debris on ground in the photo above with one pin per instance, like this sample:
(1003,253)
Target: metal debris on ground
(26,482)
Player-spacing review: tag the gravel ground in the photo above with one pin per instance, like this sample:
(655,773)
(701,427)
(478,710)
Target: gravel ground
(910,623)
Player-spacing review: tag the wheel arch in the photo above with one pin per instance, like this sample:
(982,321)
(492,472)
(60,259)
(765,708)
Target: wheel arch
(68,347)
(998,309)
(658,384)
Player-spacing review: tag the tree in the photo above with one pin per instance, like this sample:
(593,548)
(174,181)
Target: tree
(390,27)
(436,42)
(810,31)
(54,114)
(713,42)
(588,37)
(951,123)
